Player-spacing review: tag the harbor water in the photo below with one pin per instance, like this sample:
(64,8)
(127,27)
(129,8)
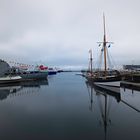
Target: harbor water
(67,107)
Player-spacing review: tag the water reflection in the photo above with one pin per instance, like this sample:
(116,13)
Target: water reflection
(105,96)
(21,88)
(90,92)
(104,102)
(68,109)
(132,92)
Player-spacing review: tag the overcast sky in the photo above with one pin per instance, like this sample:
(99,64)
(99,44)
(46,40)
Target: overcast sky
(61,32)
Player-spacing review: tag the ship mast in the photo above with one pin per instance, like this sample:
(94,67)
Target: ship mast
(91,60)
(104,46)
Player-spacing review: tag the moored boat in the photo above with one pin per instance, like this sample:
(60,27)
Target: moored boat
(10,79)
(33,75)
(44,69)
(29,74)
(107,76)
(52,71)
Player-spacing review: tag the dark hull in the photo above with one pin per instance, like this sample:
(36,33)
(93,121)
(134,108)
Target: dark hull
(110,79)
(52,72)
(10,81)
(34,76)
(25,83)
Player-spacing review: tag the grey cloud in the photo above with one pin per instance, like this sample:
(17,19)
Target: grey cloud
(62,32)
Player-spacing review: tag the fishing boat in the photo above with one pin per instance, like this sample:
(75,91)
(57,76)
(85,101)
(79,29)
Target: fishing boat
(107,76)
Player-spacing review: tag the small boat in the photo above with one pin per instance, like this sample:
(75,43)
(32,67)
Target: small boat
(106,76)
(10,79)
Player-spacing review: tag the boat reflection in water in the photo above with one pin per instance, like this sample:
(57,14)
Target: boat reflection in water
(104,97)
(21,88)
(105,94)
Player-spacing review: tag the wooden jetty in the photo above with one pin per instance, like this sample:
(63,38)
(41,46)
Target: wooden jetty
(130,85)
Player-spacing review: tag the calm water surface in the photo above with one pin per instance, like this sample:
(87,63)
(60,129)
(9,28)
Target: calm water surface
(66,107)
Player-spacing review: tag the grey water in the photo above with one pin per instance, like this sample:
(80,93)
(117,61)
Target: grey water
(67,107)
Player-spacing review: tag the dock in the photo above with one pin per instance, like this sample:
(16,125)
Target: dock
(130,85)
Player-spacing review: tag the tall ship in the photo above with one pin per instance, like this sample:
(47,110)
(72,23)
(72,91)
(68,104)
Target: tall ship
(105,76)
